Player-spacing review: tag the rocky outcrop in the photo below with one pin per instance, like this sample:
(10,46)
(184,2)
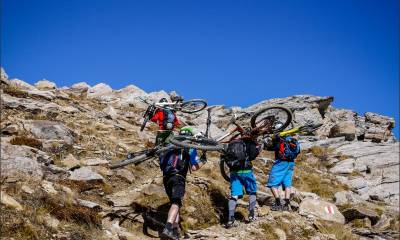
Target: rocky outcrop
(321,210)
(351,162)
(100,91)
(45,85)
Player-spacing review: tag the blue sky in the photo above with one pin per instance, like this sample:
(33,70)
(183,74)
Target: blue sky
(228,52)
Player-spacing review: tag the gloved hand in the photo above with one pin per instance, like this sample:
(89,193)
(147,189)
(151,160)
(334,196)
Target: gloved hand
(203,158)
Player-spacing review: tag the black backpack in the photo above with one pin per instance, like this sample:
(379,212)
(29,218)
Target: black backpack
(175,161)
(239,154)
(169,118)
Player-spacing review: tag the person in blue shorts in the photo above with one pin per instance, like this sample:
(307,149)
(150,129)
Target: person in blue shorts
(238,157)
(286,150)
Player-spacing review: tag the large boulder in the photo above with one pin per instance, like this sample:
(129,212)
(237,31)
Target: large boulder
(129,95)
(21,161)
(49,130)
(321,210)
(81,87)
(100,91)
(344,129)
(45,85)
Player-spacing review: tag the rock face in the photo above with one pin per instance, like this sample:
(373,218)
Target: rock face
(379,165)
(45,85)
(100,91)
(82,86)
(321,210)
(352,161)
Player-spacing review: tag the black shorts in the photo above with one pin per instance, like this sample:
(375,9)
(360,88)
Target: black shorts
(175,187)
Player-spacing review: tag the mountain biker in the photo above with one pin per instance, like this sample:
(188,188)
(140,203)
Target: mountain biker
(238,157)
(281,174)
(175,164)
(166,120)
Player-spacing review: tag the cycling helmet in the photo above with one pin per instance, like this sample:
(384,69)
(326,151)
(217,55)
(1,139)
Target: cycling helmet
(187,131)
(163,100)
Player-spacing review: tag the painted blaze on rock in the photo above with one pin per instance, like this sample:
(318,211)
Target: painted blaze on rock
(321,210)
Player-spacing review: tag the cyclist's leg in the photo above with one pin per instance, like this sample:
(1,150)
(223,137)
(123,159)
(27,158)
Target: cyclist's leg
(162,136)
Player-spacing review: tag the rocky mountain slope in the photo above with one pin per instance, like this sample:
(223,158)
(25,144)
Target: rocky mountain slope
(56,183)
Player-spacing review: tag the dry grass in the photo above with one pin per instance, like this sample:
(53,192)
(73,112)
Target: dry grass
(269,231)
(321,152)
(27,141)
(14,91)
(78,222)
(339,230)
(306,178)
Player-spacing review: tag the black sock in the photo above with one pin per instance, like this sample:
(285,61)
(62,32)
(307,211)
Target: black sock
(278,201)
(287,201)
(168,226)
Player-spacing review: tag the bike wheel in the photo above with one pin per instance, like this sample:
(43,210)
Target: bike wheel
(267,119)
(223,168)
(193,106)
(206,144)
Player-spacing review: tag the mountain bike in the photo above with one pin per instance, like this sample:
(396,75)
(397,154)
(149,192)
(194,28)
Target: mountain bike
(268,120)
(177,104)
(143,155)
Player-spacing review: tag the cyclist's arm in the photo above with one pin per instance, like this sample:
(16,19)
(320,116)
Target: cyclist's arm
(194,160)
(176,121)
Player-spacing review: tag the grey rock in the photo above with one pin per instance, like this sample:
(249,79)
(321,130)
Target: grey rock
(70,162)
(357,183)
(89,204)
(126,175)
(49,130)
(360,212)
(100,91)
(379,119)
(111,112)
(21,84)
(321,210)
(48,95)
(3,74)
(344,129)
(30,105)
(19,161)
(85,174)
(81,86)
(45,85)
(343,167)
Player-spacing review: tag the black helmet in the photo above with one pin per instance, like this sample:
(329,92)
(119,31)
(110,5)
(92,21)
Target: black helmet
(163,100)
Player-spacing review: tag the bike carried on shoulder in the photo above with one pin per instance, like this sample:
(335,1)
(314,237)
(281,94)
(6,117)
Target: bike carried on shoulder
(190,106)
